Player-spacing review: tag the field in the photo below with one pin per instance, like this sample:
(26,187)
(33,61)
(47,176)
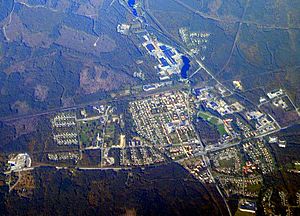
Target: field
(227,163)
(214,121)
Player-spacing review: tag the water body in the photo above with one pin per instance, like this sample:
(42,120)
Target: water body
(186,66)
(131,4)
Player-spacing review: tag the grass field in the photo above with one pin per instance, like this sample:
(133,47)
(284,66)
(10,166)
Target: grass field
(253,188)
(213,121)
(227,163)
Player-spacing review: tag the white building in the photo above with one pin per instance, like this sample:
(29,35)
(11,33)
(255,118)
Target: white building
(19,162)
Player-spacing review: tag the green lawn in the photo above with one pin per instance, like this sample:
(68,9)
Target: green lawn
(227,163)
(221,129)
(297,167)
(253,188)
(203,115)
(213,121)
(84,138)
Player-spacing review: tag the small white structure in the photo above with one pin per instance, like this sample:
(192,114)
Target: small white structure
(237,84)
(262,100)
(274,94)
(19,162)
(123,29)
(282,143)
(273,139)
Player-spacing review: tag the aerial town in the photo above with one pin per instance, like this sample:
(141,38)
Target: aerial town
(161,129)
(223,136)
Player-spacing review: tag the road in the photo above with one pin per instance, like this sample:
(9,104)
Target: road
(132,96)
(19,179)
(9,22)
(105,168)
(235,40)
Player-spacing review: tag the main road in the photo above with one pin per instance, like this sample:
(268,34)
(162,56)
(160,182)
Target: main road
(131,96)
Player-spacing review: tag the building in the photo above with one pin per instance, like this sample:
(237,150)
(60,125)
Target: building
(282,144)
(273,139)
(248,206)
(19,162)
(274,94)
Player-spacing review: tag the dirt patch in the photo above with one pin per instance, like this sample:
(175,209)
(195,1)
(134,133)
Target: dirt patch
(67,102)
(86,43)
(17,67)
(40,39)
(91,8)
(96,78)
(24,126)
(214,6)
(26,185)
(21,107)
(130,212)
(15,28)
(252,53)
(41,92)
(17,31)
